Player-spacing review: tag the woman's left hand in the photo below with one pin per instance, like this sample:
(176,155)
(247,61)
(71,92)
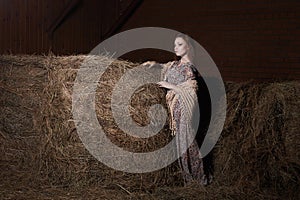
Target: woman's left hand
(165,84)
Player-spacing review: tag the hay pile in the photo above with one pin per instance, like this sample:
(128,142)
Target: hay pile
(259,145)
(39,138)
(42,155)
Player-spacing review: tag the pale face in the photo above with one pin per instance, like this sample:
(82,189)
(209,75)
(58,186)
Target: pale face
(180,47)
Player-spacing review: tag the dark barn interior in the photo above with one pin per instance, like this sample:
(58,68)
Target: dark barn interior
(255,45)
(247,39)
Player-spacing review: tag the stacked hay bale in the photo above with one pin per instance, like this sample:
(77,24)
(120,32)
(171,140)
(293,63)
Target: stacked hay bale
(258,150)
(41,88)
(22,81)
(63,149)
(259,144)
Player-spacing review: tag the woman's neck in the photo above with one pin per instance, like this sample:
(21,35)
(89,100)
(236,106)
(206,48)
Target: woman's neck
(184,59)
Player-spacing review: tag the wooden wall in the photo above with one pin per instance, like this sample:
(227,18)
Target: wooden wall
(248,39)
(62,26)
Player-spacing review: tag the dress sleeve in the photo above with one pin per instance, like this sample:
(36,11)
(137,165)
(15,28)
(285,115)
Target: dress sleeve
(189,73)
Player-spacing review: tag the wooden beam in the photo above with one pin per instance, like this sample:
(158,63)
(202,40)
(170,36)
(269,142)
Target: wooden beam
(122,19)
(70,7)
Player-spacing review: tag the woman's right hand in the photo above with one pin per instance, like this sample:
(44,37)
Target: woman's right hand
(150,64)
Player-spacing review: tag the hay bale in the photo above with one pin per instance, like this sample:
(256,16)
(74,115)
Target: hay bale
(255,146)
(56,155)
(258,149)
(22,80)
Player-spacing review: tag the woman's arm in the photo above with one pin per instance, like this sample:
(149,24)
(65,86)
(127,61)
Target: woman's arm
(151,64)
(167,85)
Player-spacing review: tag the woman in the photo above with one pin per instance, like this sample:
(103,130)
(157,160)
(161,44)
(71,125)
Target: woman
(180,79)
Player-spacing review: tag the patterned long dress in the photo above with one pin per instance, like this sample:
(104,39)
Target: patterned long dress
(190,162)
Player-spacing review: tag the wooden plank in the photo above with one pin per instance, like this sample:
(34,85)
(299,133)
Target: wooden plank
(123,15)
(71,5)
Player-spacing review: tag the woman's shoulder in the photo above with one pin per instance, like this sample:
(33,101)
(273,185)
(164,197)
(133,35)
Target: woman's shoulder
(188,65)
